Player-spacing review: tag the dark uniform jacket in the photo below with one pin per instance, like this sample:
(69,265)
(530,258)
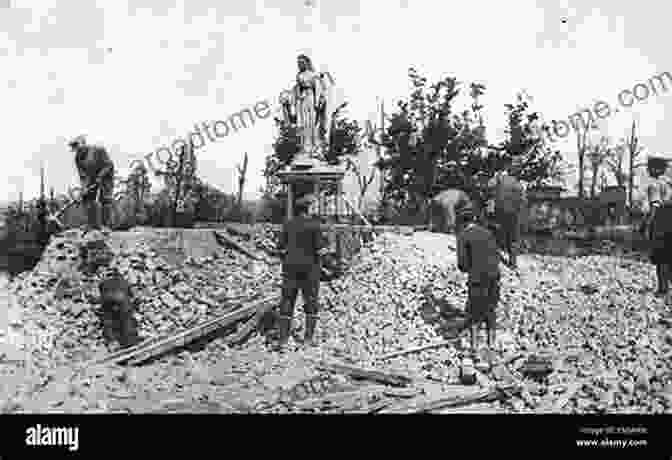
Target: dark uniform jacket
(661,235)
(478,253)
(301,238)
(93,162)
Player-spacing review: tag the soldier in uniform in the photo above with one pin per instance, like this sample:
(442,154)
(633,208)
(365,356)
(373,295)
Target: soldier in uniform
(478,256)
(302,243)
(117,310)
(96,174)
(659,190)
(658,222)
(509,197)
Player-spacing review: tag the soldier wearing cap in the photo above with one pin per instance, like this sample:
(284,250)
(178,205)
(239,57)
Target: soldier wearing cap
(478,255)
(658,221)
(96,174)
(302,243)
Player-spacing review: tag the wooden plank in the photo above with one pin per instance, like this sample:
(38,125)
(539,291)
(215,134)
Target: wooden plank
(377,407)
(337,399)
(477,396)
(480,408)
(249,326)
(485,395)
(389,378)
(452,391)
(160,346)
(402,392)
(408,351)
(226,241)
(243,332)
(238,232)
(197,332)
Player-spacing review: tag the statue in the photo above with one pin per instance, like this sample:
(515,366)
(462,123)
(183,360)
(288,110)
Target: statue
(305,106)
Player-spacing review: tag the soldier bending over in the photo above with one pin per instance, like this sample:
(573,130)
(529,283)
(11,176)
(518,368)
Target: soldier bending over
(96,173)
(116,299)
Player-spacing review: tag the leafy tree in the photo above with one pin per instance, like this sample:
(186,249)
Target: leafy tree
(536,162)
(424,136)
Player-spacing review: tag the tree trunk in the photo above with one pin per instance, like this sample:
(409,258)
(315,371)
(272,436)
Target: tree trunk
(632,146)
(593,182)
(581,175)
(242,171)
(178,188)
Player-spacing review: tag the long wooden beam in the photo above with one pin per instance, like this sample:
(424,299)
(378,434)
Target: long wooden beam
(452,400)
(158,346)
(409,351)
(389,378)
(226,241)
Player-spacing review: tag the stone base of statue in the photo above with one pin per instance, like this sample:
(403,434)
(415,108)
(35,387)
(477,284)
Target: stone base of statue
(309,172)
(304,161)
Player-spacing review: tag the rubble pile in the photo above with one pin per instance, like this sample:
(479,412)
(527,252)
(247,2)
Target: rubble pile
(59,297)
(607,339)
(377,304)
(595,318)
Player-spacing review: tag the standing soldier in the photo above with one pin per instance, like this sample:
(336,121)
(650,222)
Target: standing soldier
(659,190)
(659,194)
(478,256)
(302,244)
(509,197)
(96,173)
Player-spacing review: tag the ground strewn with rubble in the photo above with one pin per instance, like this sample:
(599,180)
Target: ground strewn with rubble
(595,318)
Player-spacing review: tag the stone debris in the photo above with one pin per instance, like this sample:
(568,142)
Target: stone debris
(603,353)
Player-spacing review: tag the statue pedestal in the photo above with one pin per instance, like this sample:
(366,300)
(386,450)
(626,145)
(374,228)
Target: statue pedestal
(306,169)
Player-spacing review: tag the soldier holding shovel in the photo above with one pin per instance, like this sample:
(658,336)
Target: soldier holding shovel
(96,173)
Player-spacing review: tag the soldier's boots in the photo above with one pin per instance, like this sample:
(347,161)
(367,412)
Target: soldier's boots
(512,261)
(663,275)
(284,330)
(311,322)
(106,216)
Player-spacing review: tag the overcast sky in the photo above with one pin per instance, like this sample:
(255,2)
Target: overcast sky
(134,75)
